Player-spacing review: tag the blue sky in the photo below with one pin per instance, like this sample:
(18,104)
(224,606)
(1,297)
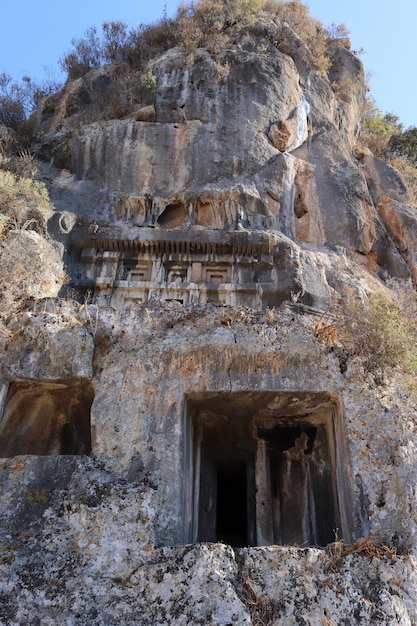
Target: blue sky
(35,34)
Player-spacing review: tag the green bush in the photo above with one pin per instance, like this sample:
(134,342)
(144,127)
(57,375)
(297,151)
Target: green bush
(404,146)
(377,129)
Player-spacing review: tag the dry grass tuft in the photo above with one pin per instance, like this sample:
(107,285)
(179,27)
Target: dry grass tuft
(263,610)
(365,546)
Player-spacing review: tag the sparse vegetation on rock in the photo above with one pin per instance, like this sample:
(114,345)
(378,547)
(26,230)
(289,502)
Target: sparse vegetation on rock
(379,330)
(386,137)
(30,265)
(211,24)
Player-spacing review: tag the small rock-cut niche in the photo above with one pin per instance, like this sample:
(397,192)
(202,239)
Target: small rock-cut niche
(205,214)
(267,468)
(173,215)
(176,272)
(46,418)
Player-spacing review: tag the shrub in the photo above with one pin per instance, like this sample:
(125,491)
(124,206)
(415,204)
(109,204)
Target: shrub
(377,129)
(16,104)
(18,100)
(337,31)
(149,40)
(404,145)
(114,41)
(188,33)
(219,15)
(296,14)
(209,23)
(381,330)
(104,96)
(383,134)
(22,200)
(12,111)
(94,49)
(87,53)
(214,23)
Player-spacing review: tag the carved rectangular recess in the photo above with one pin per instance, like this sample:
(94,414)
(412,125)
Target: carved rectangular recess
(176,272)
(217,273)
(141,272)
(134,300)
(46,418)
(266,468)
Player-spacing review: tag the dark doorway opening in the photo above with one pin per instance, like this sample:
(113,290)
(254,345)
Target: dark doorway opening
(268,468)
(232,499)
(47,418)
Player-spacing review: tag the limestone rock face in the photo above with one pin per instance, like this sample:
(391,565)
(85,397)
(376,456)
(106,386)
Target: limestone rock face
(251,138)
(31,267)
(44,348)
(184,438)
(111,537)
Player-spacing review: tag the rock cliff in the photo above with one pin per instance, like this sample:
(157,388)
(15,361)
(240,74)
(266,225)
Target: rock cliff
(180,444)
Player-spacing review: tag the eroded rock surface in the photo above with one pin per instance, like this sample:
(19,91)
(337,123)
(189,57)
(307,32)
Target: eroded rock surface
(81,536)
(250,138)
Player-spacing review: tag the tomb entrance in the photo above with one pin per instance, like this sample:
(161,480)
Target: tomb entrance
(46,418)
(267,468)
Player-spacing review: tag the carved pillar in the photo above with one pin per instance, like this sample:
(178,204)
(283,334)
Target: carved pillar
(264,528)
